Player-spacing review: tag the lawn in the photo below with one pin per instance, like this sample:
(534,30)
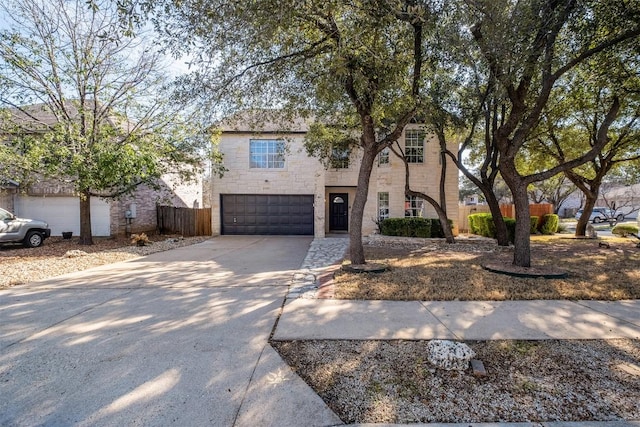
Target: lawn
(603,269)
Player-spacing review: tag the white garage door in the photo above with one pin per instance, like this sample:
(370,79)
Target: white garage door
(63,213)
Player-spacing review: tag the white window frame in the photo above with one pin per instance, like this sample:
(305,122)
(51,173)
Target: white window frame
(384,157)
(414,145)
(383,205)
(413,206)
(340,159)
(266,154)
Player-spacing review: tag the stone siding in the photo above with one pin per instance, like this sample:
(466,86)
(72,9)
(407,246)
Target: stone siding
(301,175)
(305,175)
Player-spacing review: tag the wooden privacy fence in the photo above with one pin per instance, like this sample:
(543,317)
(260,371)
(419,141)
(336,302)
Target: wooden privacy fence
(184,221)
(535,209)
(507,210)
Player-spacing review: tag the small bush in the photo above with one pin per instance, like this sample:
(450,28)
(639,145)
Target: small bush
(624,230)
(412,227)
(549,224)
(533,228)
(482,224)
(436,227)
(511,228)
(406,227)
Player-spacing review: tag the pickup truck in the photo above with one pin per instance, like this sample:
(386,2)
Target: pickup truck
(30,232)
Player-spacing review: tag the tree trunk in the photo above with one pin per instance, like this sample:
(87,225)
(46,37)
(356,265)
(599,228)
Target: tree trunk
(441,210)
(444,223)
(590,202)
(502,235)
(356,249)
(85,219)
(522,242)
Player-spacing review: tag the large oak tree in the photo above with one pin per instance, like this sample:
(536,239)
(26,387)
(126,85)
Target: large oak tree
(530,47)
(352,63)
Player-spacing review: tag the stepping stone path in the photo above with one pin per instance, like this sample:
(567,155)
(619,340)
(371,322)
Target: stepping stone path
(324,253)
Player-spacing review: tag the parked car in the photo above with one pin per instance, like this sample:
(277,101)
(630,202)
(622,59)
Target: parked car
(602,214)
(30,232)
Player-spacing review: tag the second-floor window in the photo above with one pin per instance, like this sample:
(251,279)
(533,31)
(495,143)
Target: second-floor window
(339,159)
(383,157)
(266,154)
(414,146)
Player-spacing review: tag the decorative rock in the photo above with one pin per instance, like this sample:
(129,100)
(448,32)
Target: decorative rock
(478,368)
(449,355)
(75,253)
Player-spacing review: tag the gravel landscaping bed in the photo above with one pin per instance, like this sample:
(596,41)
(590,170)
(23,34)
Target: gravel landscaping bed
(59,256)
(526,381)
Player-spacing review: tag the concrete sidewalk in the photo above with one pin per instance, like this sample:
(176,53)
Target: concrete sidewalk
(458,320)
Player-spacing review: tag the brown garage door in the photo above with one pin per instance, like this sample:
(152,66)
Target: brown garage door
(267,214)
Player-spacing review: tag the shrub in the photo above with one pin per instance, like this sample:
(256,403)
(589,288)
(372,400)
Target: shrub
(412,227)
(533,228)
(436,227)
(624,230)
(482,224)
(549,224)
(406,227)
(511,228)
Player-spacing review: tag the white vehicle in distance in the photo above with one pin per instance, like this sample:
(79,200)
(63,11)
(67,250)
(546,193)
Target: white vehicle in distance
(600,214)
(30,232)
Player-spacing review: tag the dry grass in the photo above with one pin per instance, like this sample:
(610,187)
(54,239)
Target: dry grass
(437,271)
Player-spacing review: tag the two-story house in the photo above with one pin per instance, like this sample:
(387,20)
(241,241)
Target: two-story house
(56,201)
(272,186)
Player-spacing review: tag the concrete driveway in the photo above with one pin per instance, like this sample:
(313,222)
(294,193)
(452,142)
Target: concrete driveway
(175,338)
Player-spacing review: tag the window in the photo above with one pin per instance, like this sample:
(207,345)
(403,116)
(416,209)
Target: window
(383,157)
(413,206)
(383,206)
(339,159)
(266,154)
(414,146)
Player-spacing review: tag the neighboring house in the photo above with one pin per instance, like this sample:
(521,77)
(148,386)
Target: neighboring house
(473,199)
(8,189)
(624,198)
(272,186)
(55,201)
(57,204)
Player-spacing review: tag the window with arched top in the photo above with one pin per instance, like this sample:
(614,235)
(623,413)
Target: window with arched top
(338,199)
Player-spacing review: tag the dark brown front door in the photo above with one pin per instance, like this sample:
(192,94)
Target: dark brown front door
(338,212)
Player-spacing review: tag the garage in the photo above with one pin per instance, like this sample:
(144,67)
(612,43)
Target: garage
(281,214)
(63,213)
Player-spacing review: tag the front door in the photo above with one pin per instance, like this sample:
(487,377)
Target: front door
(338,212)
